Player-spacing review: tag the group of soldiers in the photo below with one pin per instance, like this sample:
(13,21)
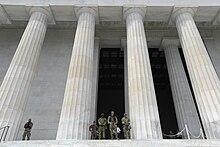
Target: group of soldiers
(112,120)
(94,129)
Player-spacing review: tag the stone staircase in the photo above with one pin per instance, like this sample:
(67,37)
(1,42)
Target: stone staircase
(113,143)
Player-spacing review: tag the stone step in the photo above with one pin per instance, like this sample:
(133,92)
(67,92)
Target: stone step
(113,143)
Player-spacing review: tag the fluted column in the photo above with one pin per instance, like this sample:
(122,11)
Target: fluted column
(126,81)
(183,100)
(124,47)
(143,109)
(94,99)
(204,79)
(17,81)
(76,108)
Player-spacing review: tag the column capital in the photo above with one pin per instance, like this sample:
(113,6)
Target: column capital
(129,10)
(180,10)
(169,41)
(91,10)
(44,10)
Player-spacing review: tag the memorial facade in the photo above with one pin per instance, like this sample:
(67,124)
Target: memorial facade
(50,65)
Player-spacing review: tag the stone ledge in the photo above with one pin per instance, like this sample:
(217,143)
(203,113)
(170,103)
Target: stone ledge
(113,143)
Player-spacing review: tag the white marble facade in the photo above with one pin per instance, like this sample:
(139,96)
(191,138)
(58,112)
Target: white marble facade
(144,23)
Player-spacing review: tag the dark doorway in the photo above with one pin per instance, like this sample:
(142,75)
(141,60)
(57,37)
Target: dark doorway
(111,84)
(163,91)
(111,87)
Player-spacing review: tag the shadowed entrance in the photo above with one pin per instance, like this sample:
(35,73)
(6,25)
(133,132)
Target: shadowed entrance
(111,84)
(163,91)
(111,87)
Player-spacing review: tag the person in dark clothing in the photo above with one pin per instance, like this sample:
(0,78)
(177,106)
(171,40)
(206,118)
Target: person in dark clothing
(93,129)
(27,130)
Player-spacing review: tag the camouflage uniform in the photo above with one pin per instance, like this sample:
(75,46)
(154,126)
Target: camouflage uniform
(93,129)
(126,126)
(27,130)
(113,121)
(102,123)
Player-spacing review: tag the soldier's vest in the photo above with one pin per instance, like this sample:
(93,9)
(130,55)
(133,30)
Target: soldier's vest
(102,121)
(125,120)
(112,119)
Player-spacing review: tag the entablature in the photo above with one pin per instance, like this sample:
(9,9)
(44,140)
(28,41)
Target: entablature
(109,15)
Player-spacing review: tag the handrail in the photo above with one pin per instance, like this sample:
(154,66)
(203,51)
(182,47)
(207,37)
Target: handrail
(4,133)
(3,127)
(188,133)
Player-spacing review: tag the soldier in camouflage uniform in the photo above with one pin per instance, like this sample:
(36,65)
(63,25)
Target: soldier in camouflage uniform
(113,121)
(102,122)
(93,129)
(126,126)
(27,130)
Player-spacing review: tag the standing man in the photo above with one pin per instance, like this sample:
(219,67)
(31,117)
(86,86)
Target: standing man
(93,129)
(27,130)
(102,122)
(113,121)
(126,126)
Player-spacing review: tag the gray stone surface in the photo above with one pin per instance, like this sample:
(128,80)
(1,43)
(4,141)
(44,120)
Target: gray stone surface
(213,48)
(112,2)
(46,96)
(8,44)
(109,13)
(114,143)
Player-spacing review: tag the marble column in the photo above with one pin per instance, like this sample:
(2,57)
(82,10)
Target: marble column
(17,81)
(76,108)
(186,112)
(143,109)
(95,78)
(124,48)
(204,79)
(126,81)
